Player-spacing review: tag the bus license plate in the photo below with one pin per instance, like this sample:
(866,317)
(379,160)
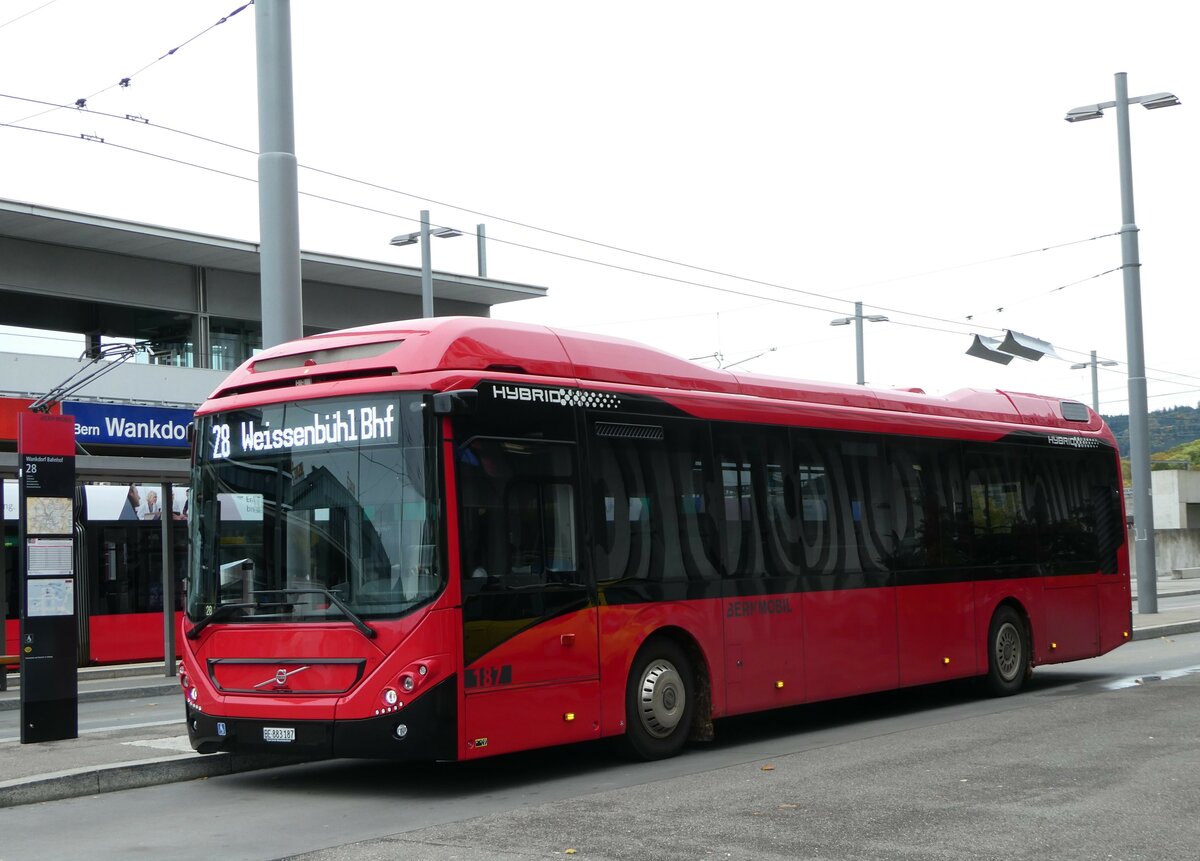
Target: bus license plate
(279,733)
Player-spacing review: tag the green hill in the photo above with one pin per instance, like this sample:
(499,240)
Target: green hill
(1169,428)
(1176,458)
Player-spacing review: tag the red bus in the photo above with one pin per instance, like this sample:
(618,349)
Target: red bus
(452,538)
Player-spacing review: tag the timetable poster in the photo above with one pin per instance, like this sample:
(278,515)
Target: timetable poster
(49,637)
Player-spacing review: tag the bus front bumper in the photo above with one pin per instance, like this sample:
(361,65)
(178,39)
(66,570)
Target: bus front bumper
(425,729)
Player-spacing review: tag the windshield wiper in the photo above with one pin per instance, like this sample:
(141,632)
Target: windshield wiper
(221,611)
(367,631)
(224,610)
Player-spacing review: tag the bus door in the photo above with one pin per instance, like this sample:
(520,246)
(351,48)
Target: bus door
(530,648)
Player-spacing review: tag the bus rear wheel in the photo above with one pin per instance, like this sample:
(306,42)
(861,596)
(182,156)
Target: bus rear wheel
(1008,653)
(659,700)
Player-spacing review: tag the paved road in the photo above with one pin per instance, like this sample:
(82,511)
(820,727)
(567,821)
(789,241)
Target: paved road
(1098,760)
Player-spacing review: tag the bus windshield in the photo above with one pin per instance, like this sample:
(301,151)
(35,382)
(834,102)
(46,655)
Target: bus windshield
(314,510)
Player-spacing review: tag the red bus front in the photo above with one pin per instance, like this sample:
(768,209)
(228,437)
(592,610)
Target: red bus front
(320,619)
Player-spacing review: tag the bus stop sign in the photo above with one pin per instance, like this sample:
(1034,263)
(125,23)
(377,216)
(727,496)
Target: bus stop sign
(49,638)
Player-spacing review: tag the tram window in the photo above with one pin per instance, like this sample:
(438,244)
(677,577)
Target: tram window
(128,564)
(8,545)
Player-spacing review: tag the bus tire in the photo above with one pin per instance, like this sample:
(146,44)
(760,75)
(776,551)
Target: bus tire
(659,700)
(1008,653)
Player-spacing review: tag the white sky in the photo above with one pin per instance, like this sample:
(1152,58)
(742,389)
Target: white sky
(878,151)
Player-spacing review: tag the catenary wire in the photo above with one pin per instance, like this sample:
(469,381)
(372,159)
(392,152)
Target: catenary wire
(604,245)
(686,282)
(125,81)
(27,14)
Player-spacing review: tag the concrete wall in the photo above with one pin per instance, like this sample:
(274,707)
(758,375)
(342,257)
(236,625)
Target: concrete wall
(78,273)
(32,376)
(1173,548)
(1176,498)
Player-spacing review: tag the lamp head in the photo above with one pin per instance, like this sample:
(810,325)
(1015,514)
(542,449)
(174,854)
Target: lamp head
(405,239)
(1087,112)
(1159,100)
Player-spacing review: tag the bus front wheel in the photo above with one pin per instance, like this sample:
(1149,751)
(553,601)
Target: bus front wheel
(659,700)
(1008,652)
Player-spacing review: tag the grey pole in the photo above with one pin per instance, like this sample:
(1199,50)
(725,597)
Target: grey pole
(858,319)
(1094,364)
(278,200)
(482,254)
(858,343)
(426,268)
(1095,384)
(166,506)
(1139,425)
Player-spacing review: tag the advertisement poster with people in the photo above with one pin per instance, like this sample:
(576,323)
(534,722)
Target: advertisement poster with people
(114,502)
(133,502)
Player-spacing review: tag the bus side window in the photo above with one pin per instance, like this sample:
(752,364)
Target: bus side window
(541,533)
(657,504)
(527,563)
(518,526)
(558,527)
(481,524)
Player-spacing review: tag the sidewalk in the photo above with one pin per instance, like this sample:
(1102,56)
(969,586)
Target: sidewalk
(150,754)
(1168,622)
(159,753)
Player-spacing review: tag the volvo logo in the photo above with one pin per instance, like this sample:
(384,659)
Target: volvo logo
(281,677)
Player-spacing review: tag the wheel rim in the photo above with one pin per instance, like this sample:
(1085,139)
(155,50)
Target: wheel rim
(1008,651)
(661,698)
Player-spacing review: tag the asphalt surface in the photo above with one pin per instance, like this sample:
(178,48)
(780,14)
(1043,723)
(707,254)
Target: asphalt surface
(149,753)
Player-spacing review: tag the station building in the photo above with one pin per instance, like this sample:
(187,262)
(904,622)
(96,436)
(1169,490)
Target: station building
(195,299)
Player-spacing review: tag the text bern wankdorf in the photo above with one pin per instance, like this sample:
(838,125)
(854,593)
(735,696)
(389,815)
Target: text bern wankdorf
(297,428)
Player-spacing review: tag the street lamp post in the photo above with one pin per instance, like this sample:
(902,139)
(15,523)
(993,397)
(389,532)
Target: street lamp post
(480,250)
(1139,426)
(422,236)
(857,320)
(1094,365)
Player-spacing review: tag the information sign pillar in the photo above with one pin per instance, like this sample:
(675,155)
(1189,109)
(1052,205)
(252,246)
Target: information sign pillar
(49,639)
